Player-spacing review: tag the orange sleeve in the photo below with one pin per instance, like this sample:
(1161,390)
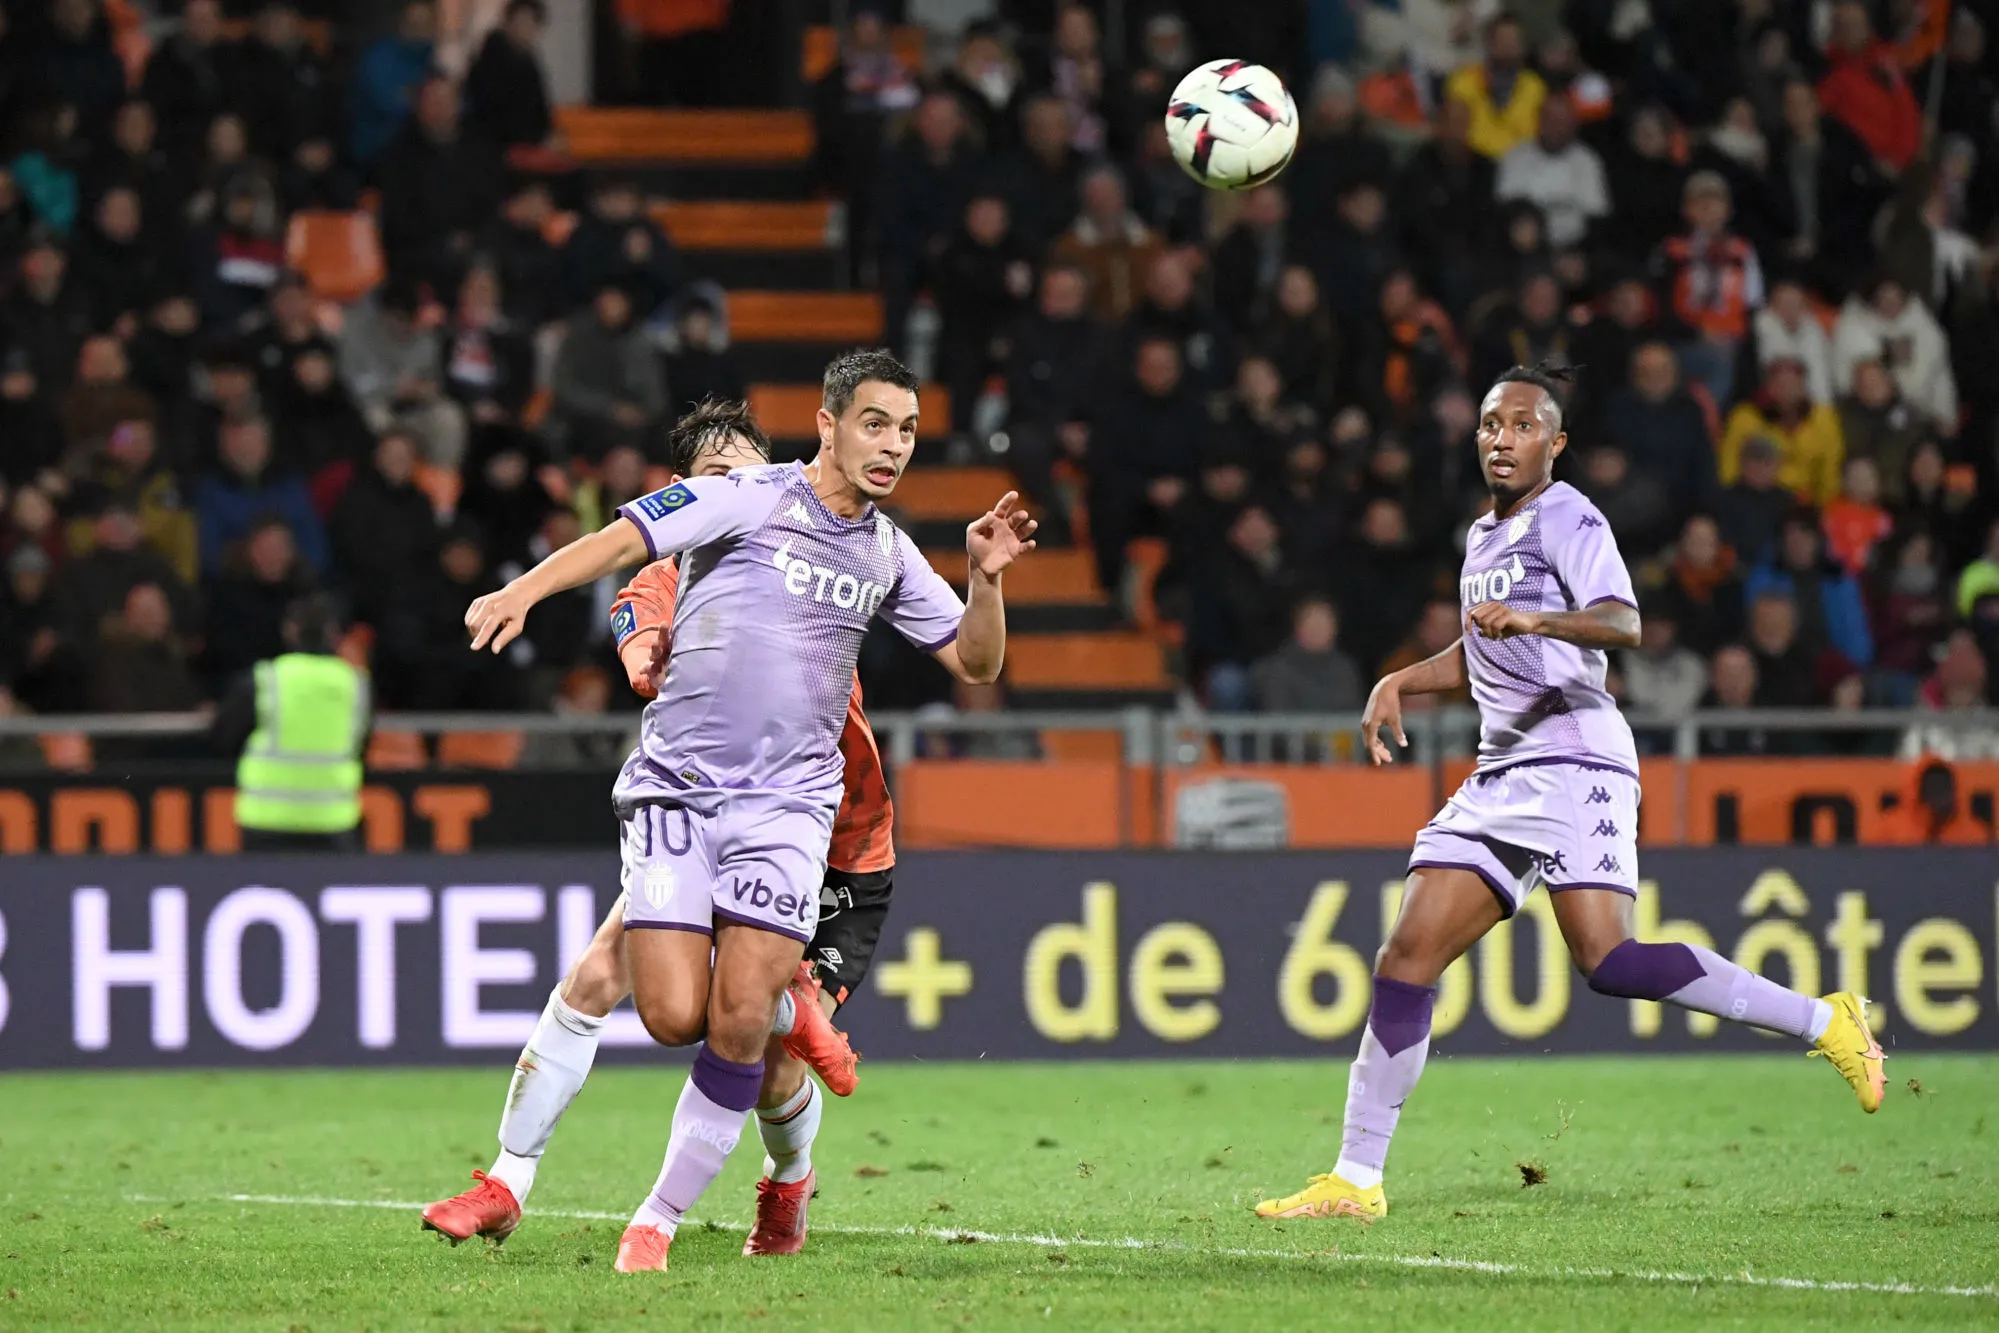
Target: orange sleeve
(864,830)
(642,611)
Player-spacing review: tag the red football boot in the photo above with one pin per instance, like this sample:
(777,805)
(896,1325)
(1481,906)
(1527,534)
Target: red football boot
(643,1250)
(780,1227)
(814,1040)
(487,1209)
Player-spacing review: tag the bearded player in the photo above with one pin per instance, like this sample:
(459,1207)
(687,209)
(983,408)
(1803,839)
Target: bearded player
(710,441)
(728,803)
(1553,801)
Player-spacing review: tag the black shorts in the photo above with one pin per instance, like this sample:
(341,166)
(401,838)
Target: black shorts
(852,908)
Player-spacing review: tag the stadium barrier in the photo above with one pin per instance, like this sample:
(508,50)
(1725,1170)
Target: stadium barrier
(1128,779)
(199,961)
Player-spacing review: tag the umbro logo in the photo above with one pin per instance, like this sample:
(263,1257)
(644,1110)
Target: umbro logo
(1608,865)
(1597,796)
(801,513)
(831,955)
(1589,521)
(1605,829)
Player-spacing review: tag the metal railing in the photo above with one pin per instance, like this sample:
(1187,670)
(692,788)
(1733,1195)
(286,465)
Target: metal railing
(1154,736)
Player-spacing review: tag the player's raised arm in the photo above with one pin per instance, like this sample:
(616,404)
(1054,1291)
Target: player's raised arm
(685,514)
(992,542)
(1439,673)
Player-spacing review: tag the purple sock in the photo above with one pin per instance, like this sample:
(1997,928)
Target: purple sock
(1697,978)
(1393,1048)
(706,1125)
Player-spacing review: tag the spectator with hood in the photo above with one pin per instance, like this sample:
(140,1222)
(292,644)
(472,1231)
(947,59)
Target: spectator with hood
(1830,610)
(615,241)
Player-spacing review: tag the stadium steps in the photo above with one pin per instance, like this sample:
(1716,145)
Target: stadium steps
(734,191)
(613,137)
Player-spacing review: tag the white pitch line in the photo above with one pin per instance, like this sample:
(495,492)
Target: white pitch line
(1559,1272)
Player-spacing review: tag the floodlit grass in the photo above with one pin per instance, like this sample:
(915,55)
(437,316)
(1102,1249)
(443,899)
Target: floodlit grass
(1678,1193)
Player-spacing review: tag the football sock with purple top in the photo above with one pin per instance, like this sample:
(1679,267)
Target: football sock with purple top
(706,1125)
(1393,1047)
(1697,978)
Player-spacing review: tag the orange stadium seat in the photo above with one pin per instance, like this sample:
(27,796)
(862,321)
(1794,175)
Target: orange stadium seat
(442,484)
(819,317)
(721,225)
(820,50)
(479,749)
(949,494)
(634,134)
(339,253)
(396,751)
(66,751)
(1059,576)
(1112,660)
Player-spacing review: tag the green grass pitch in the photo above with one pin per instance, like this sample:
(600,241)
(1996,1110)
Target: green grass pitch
(1679,1193)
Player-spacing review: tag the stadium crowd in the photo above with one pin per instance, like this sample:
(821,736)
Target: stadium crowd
(1776,271)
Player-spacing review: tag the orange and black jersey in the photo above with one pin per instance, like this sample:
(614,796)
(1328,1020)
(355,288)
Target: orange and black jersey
(864,829)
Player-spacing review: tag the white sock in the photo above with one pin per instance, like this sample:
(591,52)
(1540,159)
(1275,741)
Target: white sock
(787,1016)
(1821,1020)
(788,1130)
(1360,1177)
(550,1073)
(704,1134)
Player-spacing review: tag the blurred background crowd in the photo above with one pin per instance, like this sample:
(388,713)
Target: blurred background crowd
(1762,229)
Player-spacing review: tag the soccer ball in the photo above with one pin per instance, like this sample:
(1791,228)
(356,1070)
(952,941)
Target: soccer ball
(1232,125)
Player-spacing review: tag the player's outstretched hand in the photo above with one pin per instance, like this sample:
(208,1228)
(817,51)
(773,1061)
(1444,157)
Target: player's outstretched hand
(1000,536)
(1497,620)
(1384,709)
(497,618)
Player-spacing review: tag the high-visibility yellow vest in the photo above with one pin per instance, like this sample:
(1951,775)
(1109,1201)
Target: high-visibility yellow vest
(301,771)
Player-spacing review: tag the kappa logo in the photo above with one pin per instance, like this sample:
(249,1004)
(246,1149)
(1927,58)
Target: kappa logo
(1605,828)
(1608,865)
(661,503)
(801,513)
(802,578)
(1597,796)
(1589,521)
(1491,585)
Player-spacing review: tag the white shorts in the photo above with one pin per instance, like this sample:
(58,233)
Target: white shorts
(759,861)
(1566,824)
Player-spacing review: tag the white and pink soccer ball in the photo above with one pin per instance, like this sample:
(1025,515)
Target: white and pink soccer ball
(1232,124)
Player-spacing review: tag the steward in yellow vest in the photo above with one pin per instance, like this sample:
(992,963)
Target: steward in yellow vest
(298,780)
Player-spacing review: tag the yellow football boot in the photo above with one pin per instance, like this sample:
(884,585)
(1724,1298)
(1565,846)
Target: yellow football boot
(1850,1047)
(1328,1196)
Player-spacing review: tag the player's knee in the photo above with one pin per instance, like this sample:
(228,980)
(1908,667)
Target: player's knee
(669,1020)
(739,1020)
(1405,959)
(596,983)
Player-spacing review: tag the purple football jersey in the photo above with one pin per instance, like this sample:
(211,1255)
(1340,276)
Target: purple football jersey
(776,592)
(1541,699)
